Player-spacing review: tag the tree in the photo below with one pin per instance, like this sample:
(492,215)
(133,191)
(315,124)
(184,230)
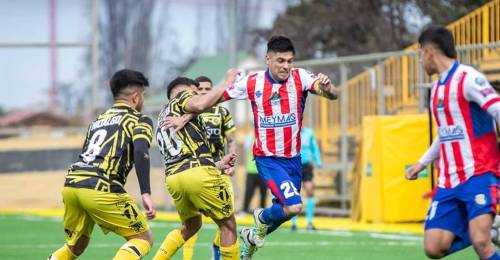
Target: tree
(446,11)
(125,35)
(321,28)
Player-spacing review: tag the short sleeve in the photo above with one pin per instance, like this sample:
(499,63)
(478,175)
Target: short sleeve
(228,123)
(308,79)
(184,98)
(143,129)
(477,89)
(238,90)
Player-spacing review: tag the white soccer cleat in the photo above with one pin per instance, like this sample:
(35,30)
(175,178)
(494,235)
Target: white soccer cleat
(496,221)
(260,228)
(248,248)
(495,236)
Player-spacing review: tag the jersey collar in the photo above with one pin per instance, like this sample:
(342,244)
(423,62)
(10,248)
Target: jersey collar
(268,75)
(447,75)
(120,104)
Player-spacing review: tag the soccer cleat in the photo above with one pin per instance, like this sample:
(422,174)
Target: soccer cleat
(310,226)
(248,248)
(496,221)
(293,227)
(495,236)
(260,228)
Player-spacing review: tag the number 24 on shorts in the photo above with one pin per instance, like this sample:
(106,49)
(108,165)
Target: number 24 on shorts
(289,189)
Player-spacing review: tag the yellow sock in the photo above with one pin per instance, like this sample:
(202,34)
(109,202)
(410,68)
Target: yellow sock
(188,249)
(217,238)
(63,253)
(173,241)
(230,252)
(134,249)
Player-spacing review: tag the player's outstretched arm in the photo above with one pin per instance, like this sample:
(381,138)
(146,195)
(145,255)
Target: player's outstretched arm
(429,156)
(198,104)
(326,88)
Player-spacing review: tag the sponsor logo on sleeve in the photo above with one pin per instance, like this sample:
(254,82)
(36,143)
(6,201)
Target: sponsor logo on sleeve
(311,75)
(487,91)
(480,81)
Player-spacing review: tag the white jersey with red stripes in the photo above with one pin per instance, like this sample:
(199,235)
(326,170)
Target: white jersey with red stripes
(277,109)
(462,103)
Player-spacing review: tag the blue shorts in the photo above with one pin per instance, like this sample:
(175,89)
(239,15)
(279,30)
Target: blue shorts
(283,176)
(452,209)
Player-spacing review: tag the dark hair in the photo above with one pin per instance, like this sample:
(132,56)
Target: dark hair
(125,78)
(204,79)
(440,37)
(279,43)
(180,81)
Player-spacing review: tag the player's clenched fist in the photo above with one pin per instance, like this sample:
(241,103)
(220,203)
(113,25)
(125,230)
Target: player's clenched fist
(412,172)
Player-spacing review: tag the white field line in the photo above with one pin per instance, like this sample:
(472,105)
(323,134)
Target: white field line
(322,243)
(384,236)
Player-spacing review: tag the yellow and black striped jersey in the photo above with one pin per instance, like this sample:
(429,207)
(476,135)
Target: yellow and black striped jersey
(188,147)
(107,154)
(219,123)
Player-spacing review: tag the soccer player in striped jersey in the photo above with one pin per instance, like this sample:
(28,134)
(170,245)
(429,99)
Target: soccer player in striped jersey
(278,97)
(465,108)
(94,191)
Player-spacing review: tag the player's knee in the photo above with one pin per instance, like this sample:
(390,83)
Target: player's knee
(149,238)
(80,246)
(190,229)
(293,210)
(434,252)
(227,225)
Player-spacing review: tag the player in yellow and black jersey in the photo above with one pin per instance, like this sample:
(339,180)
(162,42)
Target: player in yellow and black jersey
(194,180)
(107,156)
(218,122)
(219,126)
(94,191)
(188,147)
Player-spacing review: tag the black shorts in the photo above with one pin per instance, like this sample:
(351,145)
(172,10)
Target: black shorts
(307,172)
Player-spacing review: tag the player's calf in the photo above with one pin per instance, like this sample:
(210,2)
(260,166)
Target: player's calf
(136,247)
(67,252)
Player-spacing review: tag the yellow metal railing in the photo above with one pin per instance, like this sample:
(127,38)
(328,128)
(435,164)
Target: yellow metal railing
(401,76)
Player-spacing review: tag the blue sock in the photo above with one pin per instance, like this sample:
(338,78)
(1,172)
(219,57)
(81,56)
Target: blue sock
(495,256)
(215,252)
(310,205)
(274,215)
(273,227)
(459,244)
(294,221)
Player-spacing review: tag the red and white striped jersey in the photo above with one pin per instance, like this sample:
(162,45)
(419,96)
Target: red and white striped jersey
(465,107)
(277,109)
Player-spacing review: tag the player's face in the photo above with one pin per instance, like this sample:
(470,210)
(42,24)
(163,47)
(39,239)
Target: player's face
(426,56)
(204,88)
(279,64)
